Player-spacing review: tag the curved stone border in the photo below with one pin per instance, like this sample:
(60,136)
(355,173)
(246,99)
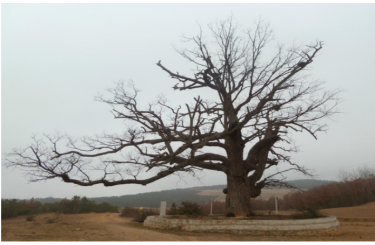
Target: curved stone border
(236,226)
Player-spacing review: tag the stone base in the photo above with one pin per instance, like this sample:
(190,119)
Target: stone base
(325,225)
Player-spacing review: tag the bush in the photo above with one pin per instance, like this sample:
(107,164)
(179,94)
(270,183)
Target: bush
(53,220)
(50,221)
(187,208)
(173,210)
(308,213)
(138,215)
(142,215)
(129,212)
(30,217)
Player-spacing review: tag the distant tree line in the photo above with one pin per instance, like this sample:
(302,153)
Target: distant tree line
(153,199)
(14,207)
(354,188)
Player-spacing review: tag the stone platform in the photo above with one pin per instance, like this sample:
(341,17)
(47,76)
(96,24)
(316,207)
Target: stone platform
(328,225)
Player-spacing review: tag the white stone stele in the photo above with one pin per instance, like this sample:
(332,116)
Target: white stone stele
(328,224)
(163,208)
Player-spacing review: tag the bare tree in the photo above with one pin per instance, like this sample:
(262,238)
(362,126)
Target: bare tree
(259,103)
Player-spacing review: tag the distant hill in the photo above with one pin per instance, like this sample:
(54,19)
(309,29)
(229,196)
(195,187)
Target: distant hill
(48,200)
(308,183)
(153,199)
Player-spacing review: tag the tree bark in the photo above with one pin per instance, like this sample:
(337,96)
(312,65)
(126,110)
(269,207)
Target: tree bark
(238,194)
(237,201)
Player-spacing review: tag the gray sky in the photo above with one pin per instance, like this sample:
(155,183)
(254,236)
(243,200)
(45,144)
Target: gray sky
(57,57)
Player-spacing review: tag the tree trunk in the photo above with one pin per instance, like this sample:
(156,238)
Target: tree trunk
(237,202)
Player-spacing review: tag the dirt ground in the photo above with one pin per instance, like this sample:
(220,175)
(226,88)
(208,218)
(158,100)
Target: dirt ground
(358,224)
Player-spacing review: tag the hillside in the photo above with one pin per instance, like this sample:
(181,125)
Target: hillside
(196,194)
(308,183)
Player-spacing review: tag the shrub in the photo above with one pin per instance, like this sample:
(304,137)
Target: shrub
(173,210)
(142,215)
(53,220)
(308,213)
(138,215)
(50,221)
(187,208)
(30,217)
(129,212)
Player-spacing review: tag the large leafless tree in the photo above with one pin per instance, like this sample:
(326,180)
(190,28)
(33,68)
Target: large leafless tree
(259,101)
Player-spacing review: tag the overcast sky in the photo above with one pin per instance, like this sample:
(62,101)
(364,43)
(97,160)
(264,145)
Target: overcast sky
(57,57)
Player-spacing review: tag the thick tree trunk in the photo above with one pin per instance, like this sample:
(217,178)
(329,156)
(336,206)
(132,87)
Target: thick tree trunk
(237,202)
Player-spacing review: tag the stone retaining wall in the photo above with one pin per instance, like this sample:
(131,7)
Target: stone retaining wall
(237,226)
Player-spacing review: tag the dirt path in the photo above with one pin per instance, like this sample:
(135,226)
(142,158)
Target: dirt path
(358,224)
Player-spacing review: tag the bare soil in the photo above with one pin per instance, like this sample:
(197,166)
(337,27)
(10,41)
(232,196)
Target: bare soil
(358,224)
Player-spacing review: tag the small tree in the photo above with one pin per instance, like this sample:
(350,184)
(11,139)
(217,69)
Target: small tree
(74,205)
(64,206)
(87,205)
(173,210)
(242,132)
(189,208)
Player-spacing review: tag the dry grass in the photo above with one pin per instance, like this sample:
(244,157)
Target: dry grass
(358,224)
